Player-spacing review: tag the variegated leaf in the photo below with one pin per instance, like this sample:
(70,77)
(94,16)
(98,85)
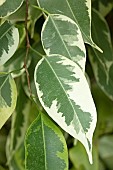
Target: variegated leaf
(61,35)
(8,7)
(102,63)
(79,11)
(45,146)
(64,93)
(9,39)
(8,96)
(20,119)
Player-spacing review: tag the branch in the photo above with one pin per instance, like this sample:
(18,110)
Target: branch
(27,49)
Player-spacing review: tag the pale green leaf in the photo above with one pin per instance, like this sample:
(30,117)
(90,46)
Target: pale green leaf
(45,146)
(79,11)
(102,63)
(61,35)
(9,40)
(8,97)
(64,93)
(8,7)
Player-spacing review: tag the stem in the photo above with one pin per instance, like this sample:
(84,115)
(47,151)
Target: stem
(36,52)
(41,9)
(27,48)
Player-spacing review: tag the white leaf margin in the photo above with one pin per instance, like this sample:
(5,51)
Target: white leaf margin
(85,105)
(6,56)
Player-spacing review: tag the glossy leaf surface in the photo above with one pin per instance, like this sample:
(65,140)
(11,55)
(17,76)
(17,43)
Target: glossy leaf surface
(45,146)
(65,95)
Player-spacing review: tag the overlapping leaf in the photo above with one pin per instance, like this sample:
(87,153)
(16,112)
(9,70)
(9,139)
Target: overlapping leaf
(16,62)
(61,35)
(8,96)
(79,11)
(45,146)
(9,39)
(102,63)
(8,7)
(65,95)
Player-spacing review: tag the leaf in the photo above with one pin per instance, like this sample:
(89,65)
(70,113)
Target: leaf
(8,97)
(9,40)
(34,15)
(102,63)
(65,95)
(8,7)
(80,160)
(104,7)
(16,62)
(61,35)
(20,119)
(103,105)
(106,150)
(18,15)
(45,146)
(79,11)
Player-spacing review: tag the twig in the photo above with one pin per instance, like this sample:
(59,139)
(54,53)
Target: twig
(27,49)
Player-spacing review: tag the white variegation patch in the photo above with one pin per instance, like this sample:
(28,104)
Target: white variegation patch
(79,94)
(2,2)
(63,18)
(11,48)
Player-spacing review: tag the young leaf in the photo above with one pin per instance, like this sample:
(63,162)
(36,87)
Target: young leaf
(45,146)
(79,11)
(9,39)
(8,7)
(64,93)
(61,35)
(102,63)
(8,96)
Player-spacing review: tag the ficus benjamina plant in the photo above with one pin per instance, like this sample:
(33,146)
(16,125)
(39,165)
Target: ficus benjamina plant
(56,79)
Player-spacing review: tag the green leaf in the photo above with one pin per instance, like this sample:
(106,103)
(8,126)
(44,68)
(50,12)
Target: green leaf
(18,15)
(8,97)
(34,15)
(20,119)
(80,160)
(8,7)
(45,146)
(9,40)
(103,105)
(106,150)
(104,7)
(79,11)
(102,63)
(61,35)
(16,62)
(64,93)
